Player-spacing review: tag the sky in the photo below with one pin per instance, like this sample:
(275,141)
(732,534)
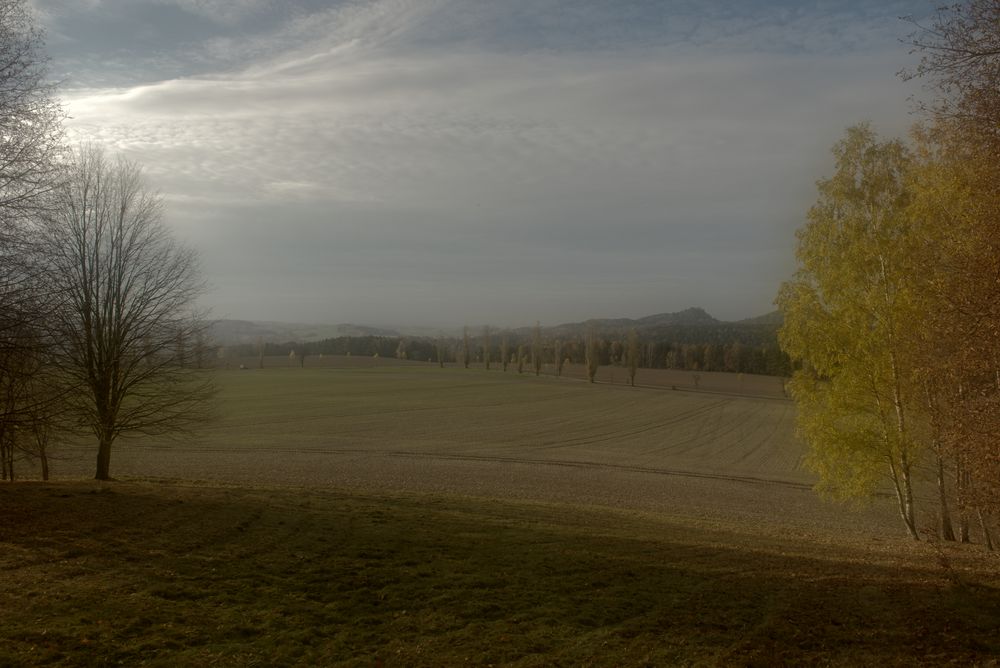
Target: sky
(449,162)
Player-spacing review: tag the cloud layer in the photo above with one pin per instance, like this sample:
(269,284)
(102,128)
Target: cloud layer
(461,162)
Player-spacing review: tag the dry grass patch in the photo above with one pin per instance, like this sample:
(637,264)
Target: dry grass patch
(169,574)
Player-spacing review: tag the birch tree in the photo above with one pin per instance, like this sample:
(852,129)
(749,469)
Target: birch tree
(845,317)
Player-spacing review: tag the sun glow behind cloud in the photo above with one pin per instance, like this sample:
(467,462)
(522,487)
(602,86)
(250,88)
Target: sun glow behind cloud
(449,162)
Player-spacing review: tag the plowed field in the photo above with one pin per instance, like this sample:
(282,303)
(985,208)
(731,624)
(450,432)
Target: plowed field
(406,515)
(380,426)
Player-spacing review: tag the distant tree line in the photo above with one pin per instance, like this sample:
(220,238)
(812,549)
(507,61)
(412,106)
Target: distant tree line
(750,349)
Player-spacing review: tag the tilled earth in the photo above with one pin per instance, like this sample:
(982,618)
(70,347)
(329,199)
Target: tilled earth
(711,453)
(767,503)
(405,517)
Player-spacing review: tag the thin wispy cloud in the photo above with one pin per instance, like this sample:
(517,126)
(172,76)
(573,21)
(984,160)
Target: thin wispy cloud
(453,162)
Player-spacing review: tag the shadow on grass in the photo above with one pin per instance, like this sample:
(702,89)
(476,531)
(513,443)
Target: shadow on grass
(174,574)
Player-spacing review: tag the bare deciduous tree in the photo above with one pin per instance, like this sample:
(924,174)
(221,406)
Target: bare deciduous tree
(487,345)
(30,146)
(19,364)
(129,289)
(24,308)
(536,348)
(466,351)
(29,401)
(30,117)
(960,59)
(632,355)
(593,358)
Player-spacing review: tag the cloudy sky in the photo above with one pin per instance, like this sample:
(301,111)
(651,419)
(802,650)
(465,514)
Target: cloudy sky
(482,161)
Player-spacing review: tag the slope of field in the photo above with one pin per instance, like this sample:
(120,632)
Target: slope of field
(376,425)
(174,574)
(372,513)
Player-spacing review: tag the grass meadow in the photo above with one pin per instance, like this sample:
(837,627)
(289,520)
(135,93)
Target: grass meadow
(363,515)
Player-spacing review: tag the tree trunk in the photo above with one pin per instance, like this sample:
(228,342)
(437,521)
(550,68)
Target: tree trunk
(987,540)
(3,450)
(947,532)
(103,459)
(904,497)
(45,464)
(7,454)
(909,515)
(961,487)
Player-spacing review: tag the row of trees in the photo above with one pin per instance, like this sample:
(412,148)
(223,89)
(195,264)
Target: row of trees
(97,320)
(504,348)
(894,314)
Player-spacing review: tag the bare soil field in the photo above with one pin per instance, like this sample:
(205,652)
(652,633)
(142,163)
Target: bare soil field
(744,384)
(382,513)
(376,425)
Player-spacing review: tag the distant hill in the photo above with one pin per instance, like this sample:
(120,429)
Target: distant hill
(232,332)
(690,324)
(689,316)
(774,318)
(693,318)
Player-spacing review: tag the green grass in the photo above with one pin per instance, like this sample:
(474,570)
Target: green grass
(168,574)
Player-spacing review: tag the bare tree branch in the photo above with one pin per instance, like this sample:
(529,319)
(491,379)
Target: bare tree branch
(128,323)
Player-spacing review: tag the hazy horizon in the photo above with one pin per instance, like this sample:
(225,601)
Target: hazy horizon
(475,326)
(445,162)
